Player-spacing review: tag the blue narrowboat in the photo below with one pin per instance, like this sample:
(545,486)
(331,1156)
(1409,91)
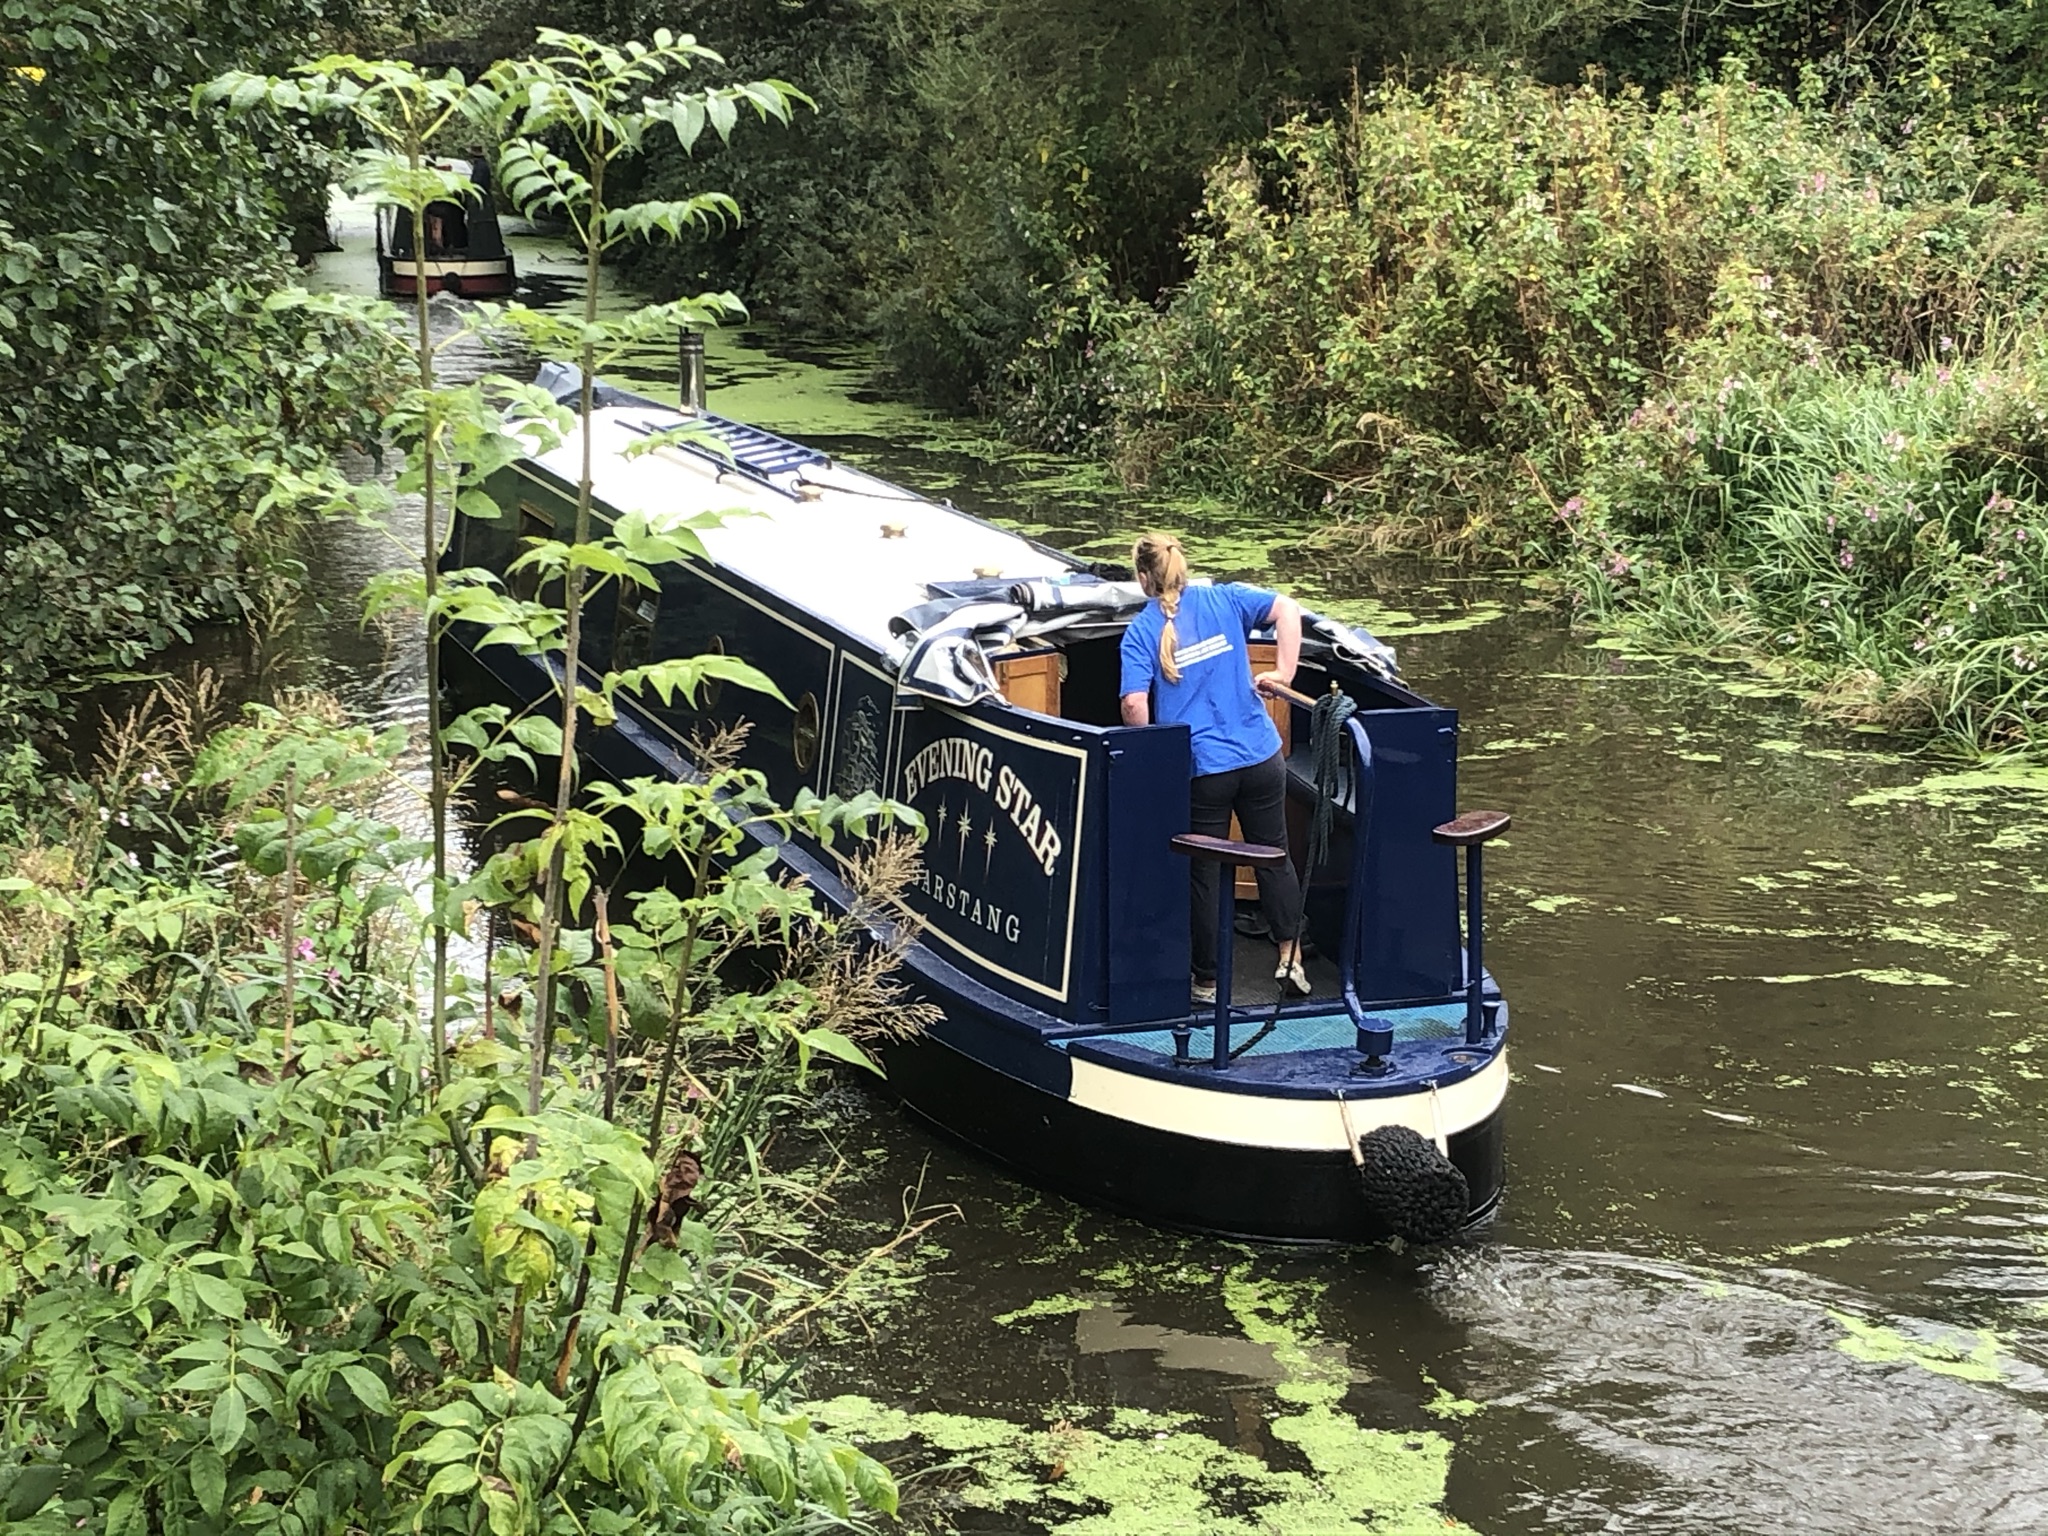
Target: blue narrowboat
(972,673)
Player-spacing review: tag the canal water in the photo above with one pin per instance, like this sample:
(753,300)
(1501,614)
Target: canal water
(1774,1253)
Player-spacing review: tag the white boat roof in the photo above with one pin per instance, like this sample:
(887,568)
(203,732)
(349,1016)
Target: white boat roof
(827,554)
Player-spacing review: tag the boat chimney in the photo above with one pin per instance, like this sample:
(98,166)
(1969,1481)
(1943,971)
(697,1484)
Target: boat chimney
(692,360)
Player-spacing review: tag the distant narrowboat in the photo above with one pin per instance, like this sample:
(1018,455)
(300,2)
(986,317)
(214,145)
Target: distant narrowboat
(972,673)
(465,248)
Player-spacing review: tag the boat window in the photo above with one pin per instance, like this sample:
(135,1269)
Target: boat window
(633,632)
(803,741)
(714,687)
(534,525)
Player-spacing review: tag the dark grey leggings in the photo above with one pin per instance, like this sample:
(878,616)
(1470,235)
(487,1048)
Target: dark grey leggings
(1258,795)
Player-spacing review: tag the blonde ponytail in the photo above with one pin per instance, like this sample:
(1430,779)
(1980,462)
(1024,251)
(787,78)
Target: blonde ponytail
(1163,565)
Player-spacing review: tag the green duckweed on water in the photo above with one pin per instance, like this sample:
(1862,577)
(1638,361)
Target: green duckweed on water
(1446,1404)
(1967,787)
(1971,1356)
(1456,615)
(1048,1306)
(1131,1472)
(1885,976)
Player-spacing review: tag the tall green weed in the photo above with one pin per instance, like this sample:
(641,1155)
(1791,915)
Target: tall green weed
(1881,538)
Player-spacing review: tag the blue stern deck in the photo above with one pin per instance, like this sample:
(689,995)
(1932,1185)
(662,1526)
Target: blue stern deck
(1309,1055)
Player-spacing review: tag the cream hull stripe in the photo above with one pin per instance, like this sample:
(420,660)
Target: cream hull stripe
(1295,1125)
(488,267)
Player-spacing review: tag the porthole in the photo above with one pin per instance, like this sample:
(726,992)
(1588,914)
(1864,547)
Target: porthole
(803,741)
(714,687)
(633,627)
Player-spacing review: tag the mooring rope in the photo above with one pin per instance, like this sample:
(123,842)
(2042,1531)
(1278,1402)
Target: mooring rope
(1330,765)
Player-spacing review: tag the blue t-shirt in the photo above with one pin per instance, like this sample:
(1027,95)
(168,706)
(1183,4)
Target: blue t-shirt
(1214,696)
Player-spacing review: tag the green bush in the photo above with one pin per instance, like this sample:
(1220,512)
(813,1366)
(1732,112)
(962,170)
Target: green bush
(143,386)
(1428,308)
(258,1273)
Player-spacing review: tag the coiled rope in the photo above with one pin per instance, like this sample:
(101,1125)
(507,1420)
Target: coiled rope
(1330,765)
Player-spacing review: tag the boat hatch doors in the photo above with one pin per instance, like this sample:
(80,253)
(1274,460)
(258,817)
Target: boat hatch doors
(1400,939)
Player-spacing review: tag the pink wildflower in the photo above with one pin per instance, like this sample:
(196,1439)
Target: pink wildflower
(1618,566)
(304,949)
(1847,557)
(1574,506)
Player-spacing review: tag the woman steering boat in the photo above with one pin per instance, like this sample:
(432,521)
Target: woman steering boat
(1185,660)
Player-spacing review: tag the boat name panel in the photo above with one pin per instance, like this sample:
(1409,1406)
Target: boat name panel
(1003,812)
(955,757)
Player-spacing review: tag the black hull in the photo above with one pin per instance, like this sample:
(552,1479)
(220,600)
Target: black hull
(1218,1189)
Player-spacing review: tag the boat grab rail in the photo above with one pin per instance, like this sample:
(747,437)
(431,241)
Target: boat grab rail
(1470,831)
(1375,1033)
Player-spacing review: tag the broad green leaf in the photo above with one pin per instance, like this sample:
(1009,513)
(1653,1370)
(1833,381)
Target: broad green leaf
(209,1479)
(538,734)
(126,1515)
(230,1420)
(453,1479)
(34,1486)
(445,1446)
(368,1387)
(829,1042)
(219,1295)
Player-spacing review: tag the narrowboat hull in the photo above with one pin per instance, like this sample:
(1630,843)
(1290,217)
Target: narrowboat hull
(1168,1178)
(1055,915)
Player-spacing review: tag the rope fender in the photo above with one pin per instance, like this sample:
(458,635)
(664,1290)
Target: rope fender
(1410,1187)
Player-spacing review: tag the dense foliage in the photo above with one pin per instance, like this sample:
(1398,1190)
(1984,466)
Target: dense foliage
(1428,307)
(970,165)
(261,1270)
(144,389)
(1878,537)
(982,177)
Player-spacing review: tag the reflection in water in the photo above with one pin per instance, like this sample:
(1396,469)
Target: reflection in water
(1775,1249)
(1111,1330)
